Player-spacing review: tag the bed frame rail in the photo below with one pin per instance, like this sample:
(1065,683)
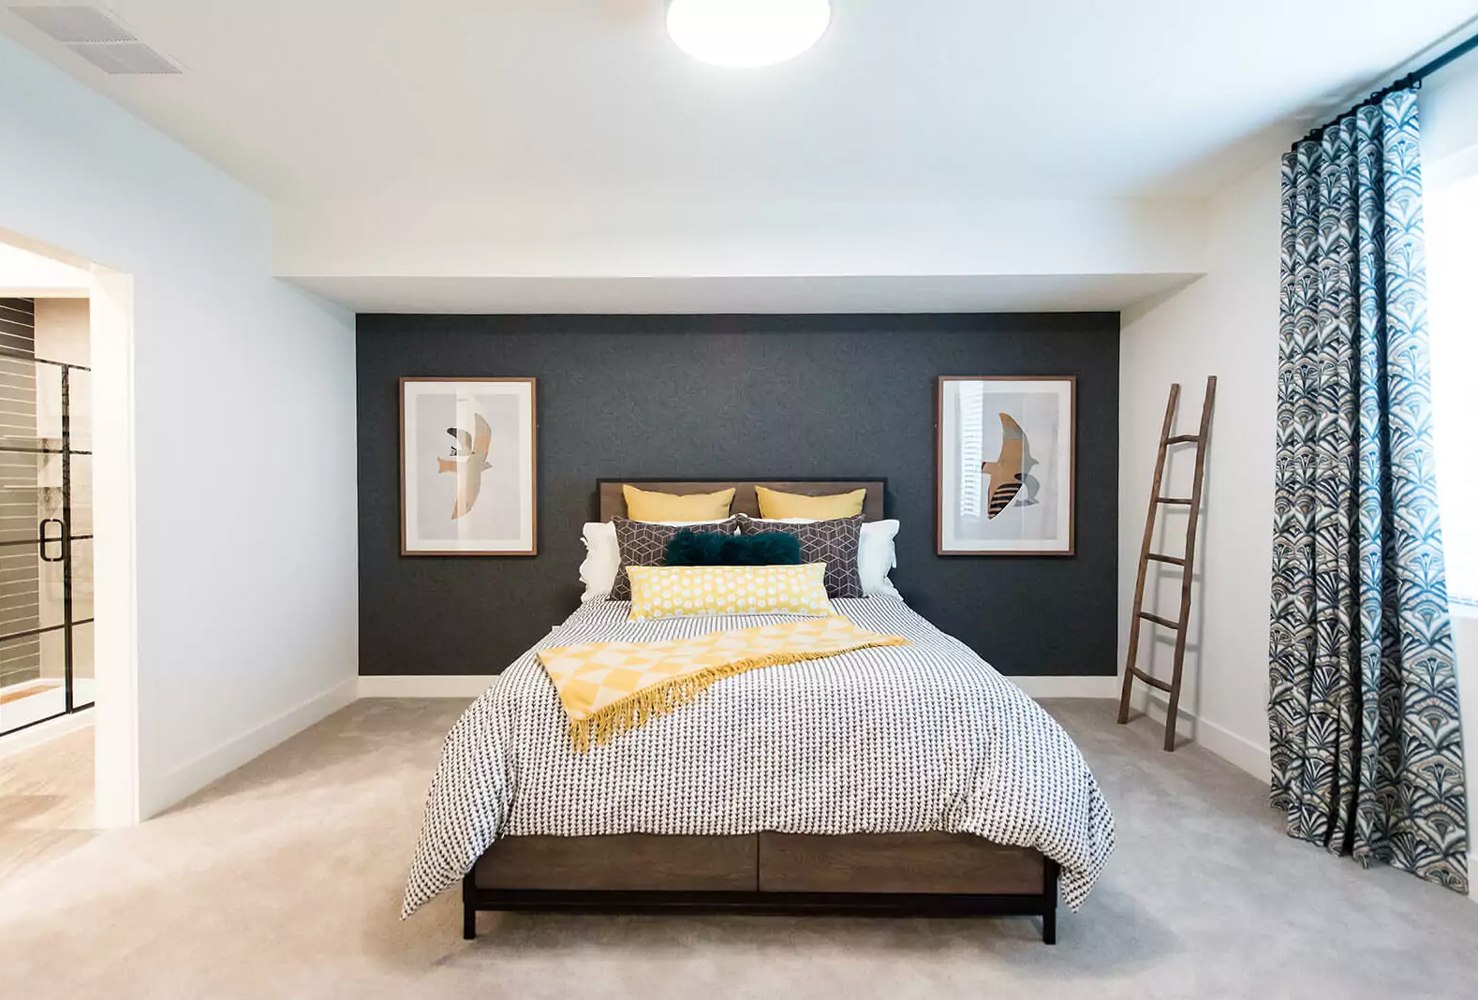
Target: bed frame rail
(1043,904)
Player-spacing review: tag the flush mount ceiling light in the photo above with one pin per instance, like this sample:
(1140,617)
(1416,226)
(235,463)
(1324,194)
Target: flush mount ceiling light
(746,32)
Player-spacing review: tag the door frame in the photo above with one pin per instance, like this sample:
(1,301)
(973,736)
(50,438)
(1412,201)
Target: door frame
(115,600)
(115,632)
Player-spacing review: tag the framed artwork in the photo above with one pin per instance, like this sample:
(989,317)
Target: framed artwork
(467,467)
(1006,465)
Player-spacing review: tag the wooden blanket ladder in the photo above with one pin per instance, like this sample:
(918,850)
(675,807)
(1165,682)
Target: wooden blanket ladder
(1186,562)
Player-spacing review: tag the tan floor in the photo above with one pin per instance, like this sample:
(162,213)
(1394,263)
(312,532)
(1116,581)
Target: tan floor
(283,880)
(45,802)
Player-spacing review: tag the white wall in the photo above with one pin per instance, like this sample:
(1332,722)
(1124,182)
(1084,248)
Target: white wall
(1449,118)
(1224,324)
(243,430)
(1449,113)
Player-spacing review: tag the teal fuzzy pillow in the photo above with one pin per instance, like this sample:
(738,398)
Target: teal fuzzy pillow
(769,548)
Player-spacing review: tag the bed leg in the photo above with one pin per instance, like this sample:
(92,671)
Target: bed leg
(1049,901)
(469,908)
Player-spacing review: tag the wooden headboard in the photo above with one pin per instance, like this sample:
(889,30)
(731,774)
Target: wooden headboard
(613,501)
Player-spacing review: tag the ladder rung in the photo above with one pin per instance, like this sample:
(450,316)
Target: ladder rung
(1186,501)
(1151,680)
(1183,439)
(1174,560)
(1160,621)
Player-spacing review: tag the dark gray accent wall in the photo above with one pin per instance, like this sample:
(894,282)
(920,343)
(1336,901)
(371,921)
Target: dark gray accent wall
(735,397)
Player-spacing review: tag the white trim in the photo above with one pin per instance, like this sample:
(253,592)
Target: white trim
(1236,750)
(1049,686)
(44,732)
(467,686)
(116,787)
(195,775)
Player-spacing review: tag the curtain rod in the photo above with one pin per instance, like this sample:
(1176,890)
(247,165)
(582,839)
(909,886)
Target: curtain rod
(1412,79)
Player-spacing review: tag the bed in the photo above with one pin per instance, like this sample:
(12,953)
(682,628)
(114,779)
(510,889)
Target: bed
(911,779)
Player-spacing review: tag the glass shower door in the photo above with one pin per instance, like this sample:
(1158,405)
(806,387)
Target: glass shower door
(45,533)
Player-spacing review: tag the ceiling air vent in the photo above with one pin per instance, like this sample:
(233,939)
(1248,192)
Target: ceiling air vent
(75,24)
(95,36)
(125,58)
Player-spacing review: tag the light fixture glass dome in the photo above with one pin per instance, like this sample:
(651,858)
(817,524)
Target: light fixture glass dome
(746,32)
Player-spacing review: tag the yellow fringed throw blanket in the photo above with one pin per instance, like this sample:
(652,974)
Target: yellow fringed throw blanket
(608,688)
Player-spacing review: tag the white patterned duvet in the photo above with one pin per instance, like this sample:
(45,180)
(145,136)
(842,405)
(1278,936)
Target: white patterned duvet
(899,739)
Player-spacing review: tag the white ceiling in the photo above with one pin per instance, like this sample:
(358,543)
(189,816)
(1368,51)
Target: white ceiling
(554,100)
(586,102)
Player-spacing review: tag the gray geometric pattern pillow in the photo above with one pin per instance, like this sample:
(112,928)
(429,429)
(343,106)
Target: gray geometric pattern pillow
(832,542)
(644,543)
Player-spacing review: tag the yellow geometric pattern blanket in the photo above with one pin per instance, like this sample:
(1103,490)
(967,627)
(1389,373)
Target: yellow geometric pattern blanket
(607,688)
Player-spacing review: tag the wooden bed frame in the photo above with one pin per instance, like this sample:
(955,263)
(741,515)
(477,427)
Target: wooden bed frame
(929,874)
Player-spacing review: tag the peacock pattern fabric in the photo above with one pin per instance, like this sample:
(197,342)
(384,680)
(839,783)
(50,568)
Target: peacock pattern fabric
(1367,755)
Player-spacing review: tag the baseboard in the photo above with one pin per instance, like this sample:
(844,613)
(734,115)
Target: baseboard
(191,777)
(466,686)
(1236,750)
(1049,686)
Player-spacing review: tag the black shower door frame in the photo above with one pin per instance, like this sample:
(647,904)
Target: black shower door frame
(63,541)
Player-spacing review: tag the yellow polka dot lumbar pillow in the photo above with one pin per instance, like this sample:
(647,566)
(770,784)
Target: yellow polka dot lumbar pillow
(683,591)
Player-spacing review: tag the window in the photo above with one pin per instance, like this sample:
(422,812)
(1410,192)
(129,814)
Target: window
(1452,275)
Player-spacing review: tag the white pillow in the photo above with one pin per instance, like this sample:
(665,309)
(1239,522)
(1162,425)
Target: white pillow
(603,557)
(876,556)
(602,560)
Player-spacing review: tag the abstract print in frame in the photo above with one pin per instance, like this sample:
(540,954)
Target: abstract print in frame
(467,467)
(1006,465)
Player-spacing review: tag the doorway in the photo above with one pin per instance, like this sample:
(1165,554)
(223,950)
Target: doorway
(66,353)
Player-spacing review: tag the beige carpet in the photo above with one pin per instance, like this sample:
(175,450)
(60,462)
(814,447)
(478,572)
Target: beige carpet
(45,802)
(283,880)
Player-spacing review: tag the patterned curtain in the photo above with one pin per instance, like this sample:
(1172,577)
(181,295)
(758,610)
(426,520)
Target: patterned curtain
(1363,712)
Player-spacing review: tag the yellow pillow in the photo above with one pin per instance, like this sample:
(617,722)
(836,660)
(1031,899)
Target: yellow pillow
(777,506)
(686,591)
(644,505)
